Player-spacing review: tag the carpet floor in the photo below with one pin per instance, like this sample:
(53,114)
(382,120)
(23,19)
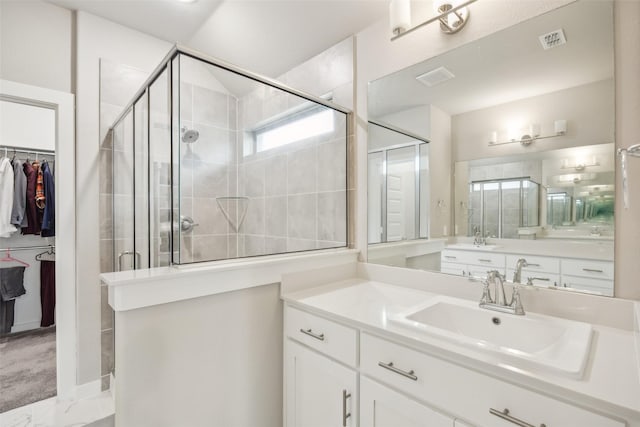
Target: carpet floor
(27,368)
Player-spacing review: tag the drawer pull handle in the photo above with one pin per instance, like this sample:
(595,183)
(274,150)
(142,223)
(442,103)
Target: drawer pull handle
(345,414)
(484,260)
(389,366)
(532,265)
(505,416)
(450,257)
(592,270)
(311,334)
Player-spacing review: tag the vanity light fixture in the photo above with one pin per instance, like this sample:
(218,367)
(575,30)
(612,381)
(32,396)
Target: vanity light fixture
(578,165)
(530,135)
(452,15)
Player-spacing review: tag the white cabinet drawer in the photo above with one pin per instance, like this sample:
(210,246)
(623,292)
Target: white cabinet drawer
(602,287)
(480,258)
(330,338)
(468,394)
(453,268)
(553,279)
(588,268)
(535,263)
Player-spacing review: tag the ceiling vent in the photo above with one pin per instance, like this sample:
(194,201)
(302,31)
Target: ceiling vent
(435,77)
(552,39)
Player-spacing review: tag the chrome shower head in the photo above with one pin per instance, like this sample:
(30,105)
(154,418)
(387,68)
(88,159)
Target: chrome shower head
(189,135)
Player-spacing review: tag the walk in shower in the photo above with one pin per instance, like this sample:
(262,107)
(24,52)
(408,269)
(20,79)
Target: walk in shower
(212,162)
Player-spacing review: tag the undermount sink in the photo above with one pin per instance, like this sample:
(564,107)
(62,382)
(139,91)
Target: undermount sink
(533,340)
(472,246)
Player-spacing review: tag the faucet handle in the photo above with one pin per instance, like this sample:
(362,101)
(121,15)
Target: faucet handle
(486,294)
(516,302)
(531,279)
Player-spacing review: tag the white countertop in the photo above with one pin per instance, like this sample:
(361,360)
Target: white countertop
(586,249)
(135,289)
(611,381)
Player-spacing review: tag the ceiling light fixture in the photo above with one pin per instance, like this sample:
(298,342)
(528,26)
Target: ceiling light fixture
(452,15)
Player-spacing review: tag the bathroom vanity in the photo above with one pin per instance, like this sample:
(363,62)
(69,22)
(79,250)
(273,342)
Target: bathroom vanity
(593,275)
(350,359)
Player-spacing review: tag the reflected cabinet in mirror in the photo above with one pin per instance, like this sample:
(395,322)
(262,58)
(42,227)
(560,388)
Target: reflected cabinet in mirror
(501,150)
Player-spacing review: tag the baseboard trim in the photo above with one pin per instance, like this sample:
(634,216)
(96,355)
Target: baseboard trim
(26,326)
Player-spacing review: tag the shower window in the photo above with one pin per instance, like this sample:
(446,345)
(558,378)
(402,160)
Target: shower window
(498,208)
(294,129)
(224,165)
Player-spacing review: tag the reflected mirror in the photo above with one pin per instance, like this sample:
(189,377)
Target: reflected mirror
(499,150)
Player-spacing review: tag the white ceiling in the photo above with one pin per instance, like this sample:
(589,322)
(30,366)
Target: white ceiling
(265,36)
(168,20)
(508,65)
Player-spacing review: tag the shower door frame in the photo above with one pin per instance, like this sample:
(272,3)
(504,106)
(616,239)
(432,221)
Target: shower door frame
(419,141)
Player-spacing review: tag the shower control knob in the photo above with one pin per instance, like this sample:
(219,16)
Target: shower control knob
(187,223)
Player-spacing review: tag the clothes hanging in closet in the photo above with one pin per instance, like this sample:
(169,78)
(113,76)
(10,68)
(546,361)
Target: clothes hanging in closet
(18,217)
(11,287)
(48,220)
(33,225)
(48,292)
(6,197)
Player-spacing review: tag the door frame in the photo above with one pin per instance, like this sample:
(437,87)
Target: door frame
(63,104)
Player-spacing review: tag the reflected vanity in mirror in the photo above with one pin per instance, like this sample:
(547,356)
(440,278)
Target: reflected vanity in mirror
(500,150)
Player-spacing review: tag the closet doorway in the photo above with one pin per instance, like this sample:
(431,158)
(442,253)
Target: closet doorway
(35,325)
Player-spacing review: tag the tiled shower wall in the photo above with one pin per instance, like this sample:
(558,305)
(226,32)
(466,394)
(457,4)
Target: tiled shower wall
(297,192)
(296,197)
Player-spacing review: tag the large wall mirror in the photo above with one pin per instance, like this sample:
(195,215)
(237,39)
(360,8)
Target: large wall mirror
(519,125)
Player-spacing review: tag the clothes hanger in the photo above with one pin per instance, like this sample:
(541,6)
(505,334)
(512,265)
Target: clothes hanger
(50,252)
(8,257)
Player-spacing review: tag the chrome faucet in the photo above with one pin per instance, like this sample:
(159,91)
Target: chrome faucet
(479,239)
(517,275)
(499,303)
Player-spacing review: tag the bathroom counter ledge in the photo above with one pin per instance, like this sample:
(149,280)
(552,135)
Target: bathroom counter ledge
(134,289)
(610,383)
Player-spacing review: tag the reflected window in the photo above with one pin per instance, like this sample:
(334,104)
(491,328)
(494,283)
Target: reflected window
(498,208)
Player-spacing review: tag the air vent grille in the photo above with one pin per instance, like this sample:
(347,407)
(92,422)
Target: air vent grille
(552,39)
(435,77)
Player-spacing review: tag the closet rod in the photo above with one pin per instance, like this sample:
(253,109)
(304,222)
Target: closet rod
(23,150)
(27,248)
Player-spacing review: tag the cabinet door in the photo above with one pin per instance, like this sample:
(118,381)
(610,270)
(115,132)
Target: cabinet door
(383,407)
(319,391)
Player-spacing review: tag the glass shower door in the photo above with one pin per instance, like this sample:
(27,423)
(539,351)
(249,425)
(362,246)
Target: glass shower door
(123,194)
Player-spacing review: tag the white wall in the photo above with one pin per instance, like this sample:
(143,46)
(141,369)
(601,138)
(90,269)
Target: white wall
(588,109)
(36,44)
(214,360)
(97,38)
(27,126)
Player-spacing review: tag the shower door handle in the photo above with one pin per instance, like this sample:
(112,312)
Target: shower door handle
(137,261)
